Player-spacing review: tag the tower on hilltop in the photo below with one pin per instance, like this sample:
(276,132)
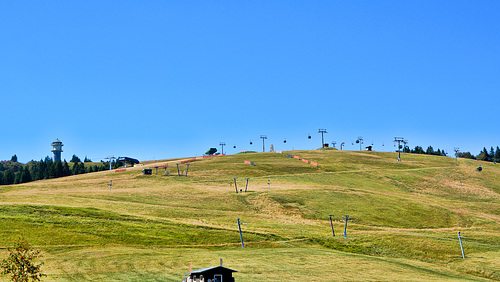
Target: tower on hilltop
(57,149)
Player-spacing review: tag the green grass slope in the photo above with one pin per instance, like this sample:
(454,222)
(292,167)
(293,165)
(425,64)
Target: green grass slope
(403,219)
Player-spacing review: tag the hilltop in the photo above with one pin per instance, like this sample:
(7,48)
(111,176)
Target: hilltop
(403,218)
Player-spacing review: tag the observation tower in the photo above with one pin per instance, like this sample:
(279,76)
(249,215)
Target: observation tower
(57,149)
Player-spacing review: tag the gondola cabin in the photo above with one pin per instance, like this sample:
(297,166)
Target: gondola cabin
(212,274)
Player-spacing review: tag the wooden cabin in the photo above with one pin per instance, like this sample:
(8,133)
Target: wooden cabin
(212,274)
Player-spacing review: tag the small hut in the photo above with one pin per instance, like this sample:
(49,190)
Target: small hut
(212,274)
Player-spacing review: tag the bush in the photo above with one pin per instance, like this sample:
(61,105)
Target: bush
(20,262)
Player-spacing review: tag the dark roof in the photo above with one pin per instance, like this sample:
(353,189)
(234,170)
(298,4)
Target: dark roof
(202,270)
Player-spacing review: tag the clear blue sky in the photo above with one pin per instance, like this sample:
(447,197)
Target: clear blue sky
(164,79)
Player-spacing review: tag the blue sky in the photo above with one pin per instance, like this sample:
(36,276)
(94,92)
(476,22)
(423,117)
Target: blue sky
(165,79)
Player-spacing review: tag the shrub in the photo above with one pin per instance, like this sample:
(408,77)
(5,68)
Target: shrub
(20,263)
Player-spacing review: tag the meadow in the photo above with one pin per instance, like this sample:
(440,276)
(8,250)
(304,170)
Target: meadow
(403,219)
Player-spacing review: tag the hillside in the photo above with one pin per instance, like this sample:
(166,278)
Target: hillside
(403,219)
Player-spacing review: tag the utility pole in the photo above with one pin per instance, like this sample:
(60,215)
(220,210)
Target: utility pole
(222,144)
(456,149)
(399,140)
(331,223)
(322,131)
(110,158)
(241,236)
(264,137)
(334,143)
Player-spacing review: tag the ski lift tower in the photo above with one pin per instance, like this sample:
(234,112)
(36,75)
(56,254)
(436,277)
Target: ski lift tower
(457,150)
(322,131)
(57,150)
(264,137)
(399,140)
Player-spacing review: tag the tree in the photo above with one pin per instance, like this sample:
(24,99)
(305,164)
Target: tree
(484,156)
(430,150)
(8,177)
(26,176)
(66,171)
(497,155)
(418,150)
(1,178)
(14,158)
(58,169)
(87,160)
(75,159)
(20,264)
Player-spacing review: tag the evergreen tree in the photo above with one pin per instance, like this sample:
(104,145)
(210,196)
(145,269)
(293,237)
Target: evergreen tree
(17,179)
(26,176)
(74,169)
(81,169)
(14,159)
(58,169)
(8,177)
(430,150)
(87,160)
(66,171)
(484,156)
(418,150)
(42,166)
(1,178)
(75,159)
(497,155)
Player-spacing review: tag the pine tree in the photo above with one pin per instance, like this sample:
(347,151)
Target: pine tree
(484,156)
(51,172)
(14,159)
(8,177)
(66,170)
(18,179)
(497,155)
(1,178)
(74,169)
(58,169)
(81,169)
(26,176)
(430,150)
(75,159)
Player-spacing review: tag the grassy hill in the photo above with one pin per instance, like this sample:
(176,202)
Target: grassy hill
(403,219)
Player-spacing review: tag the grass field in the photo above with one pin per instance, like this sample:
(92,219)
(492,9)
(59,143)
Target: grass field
(403,219)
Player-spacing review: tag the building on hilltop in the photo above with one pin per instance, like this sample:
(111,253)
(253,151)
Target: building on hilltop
(57,150)
(211,274)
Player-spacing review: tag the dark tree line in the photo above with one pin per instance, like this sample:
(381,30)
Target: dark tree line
(490,156)
(13,172)
(493,155)
(420,150)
